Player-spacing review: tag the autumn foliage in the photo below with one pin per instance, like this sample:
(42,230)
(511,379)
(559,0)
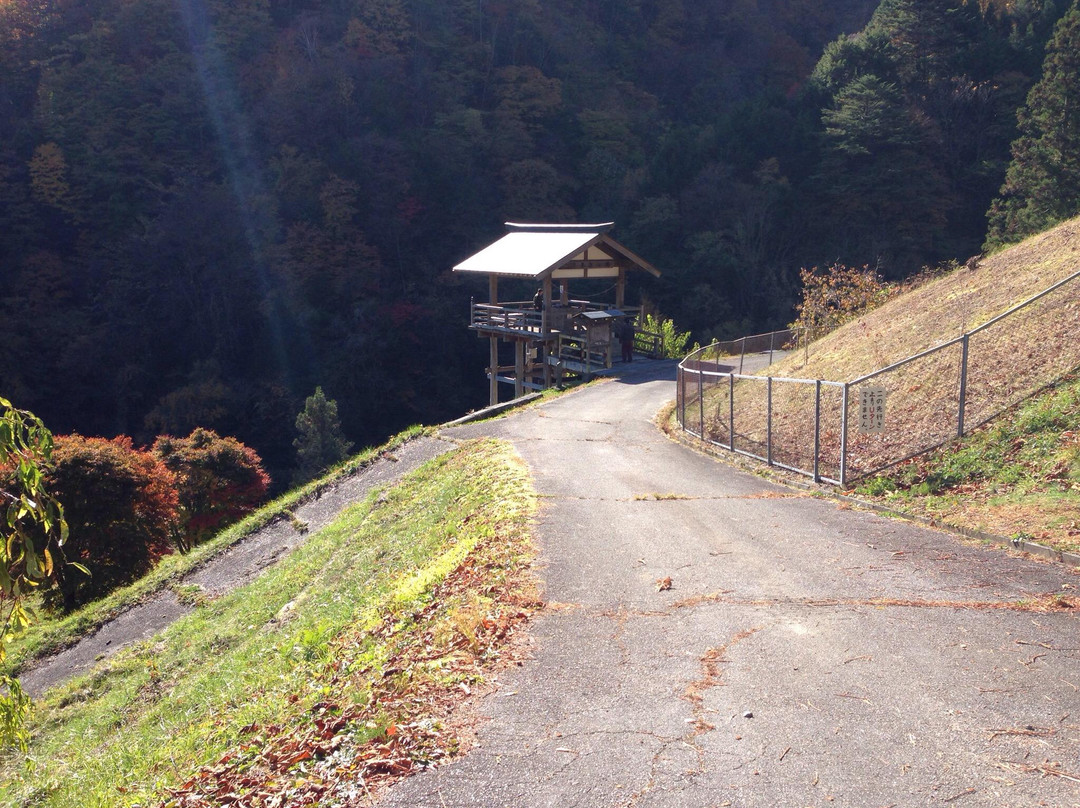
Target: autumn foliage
(219,480)
(835,295)
(122,507)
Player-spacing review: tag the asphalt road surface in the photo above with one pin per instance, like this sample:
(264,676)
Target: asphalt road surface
(806,654)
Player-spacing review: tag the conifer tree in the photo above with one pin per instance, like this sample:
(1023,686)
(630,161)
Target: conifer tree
(1042,186)
(875,171)
(320,442)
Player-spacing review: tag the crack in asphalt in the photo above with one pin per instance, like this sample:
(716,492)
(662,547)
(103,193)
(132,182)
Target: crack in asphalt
(542,414)
(711,676)
(1043,603)
(541,439)
(650,497)
(588,733)
(621,618)
(651,783)
(666,742)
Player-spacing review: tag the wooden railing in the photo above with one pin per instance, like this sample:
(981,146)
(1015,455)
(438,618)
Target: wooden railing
(515,317)
(521,317)
(649,343)
(578,356)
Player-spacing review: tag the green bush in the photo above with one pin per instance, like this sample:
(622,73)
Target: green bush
(674,342)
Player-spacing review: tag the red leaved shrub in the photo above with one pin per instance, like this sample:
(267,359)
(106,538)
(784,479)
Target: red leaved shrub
(219,481)
(122,509)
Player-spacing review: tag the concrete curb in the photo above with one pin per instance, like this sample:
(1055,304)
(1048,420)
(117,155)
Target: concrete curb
(494,409)
(779,477)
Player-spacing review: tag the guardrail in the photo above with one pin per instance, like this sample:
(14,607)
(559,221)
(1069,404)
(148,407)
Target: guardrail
(843,431)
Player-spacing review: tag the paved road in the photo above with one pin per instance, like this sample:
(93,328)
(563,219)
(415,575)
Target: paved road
(807,654)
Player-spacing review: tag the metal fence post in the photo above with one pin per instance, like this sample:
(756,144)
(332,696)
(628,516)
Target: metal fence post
(731,411)
(843,436)
(963,387)
(701,402)
(768,422)
(817,431)
(679,379)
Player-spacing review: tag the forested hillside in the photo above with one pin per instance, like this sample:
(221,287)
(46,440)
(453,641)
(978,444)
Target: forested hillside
(209,207)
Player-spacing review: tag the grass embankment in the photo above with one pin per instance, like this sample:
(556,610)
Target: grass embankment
(1018,476)
(330,671)
(52,632)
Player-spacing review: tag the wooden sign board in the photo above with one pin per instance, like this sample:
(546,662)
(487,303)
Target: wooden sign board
(872,409)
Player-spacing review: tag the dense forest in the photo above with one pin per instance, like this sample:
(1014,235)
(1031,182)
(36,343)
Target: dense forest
(210,207)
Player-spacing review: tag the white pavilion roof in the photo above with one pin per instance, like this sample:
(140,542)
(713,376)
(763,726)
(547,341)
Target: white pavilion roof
(533,251)
(527,255)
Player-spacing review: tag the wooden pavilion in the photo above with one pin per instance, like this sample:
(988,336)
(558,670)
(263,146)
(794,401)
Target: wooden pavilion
(554,334)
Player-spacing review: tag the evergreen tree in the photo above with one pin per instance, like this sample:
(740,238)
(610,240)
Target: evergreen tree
(320,442)
(875,175)
(1042,186)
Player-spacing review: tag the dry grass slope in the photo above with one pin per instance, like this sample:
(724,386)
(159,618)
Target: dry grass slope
(946,307)
(1007,362)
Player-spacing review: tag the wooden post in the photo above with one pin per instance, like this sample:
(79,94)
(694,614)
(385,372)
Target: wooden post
(620,289)
(545,317)
(493,289)
(519,368)
(494,371)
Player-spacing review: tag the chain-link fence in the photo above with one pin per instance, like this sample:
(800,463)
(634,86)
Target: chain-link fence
(759,344)
(840,432)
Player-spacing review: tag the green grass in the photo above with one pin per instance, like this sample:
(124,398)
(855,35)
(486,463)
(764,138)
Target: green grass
(1017,475)
(328,615)
(52,632)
